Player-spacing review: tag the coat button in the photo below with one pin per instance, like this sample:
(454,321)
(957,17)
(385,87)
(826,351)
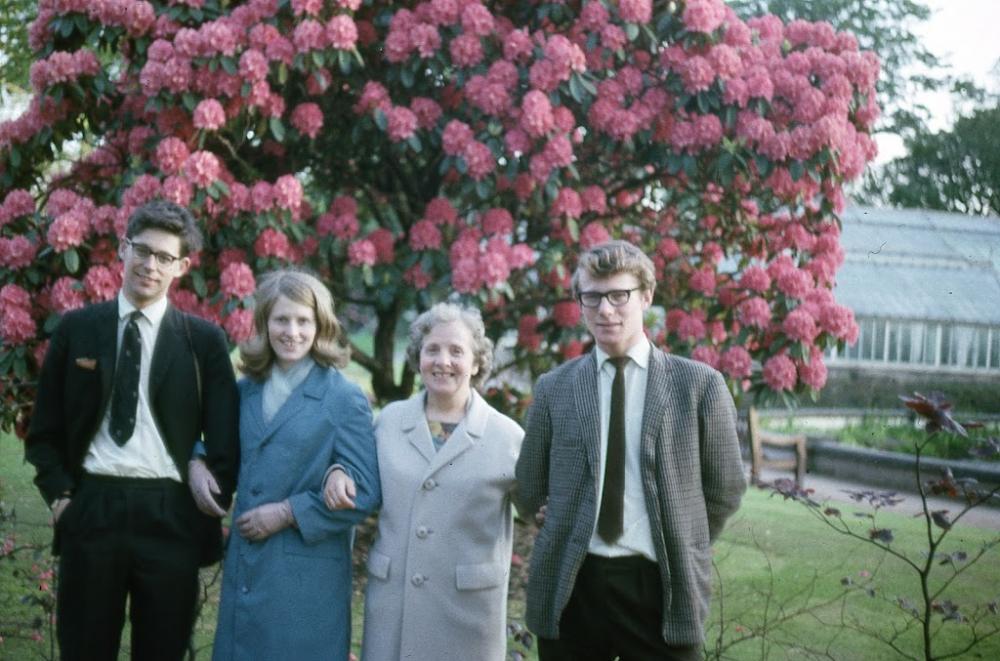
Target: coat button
(429,484)
(422,532)
(255,491)
(418,579)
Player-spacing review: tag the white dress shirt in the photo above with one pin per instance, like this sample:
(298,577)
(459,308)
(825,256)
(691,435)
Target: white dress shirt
(145,454)
(636,536)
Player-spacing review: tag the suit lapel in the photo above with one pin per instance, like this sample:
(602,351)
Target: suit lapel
(106,333)
(660,391)
(170,343)
(588,405)
(252,411)
(414,427)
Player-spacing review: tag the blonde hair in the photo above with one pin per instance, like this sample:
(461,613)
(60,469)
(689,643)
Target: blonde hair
(443,313)
(329,348)
(614,257)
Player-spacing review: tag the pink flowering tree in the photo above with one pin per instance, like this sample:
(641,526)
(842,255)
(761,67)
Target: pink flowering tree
(407,151)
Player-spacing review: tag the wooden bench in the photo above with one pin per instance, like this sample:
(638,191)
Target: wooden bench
(760,438)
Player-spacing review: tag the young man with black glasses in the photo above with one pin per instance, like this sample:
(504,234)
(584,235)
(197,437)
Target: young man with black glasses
(127,388)
(633,454)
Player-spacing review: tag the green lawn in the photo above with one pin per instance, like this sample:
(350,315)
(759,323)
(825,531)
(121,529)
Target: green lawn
(774,559)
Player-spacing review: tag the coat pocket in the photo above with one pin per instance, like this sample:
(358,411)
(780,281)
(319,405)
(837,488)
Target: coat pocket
(479,577)
(378,565)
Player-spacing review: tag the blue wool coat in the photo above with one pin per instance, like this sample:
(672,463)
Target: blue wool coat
(289,596)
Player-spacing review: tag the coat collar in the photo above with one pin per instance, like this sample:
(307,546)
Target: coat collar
(588,404)
(313,388)
(468,432)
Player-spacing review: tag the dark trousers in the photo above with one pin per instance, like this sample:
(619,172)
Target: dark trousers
(615,610)
(134,538)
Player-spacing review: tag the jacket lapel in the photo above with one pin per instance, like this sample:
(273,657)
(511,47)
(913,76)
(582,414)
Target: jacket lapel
(660,390)
(414,427)
(310,389)
(171,342)
(106,334)
(252,411)
(588,405)
(466,434)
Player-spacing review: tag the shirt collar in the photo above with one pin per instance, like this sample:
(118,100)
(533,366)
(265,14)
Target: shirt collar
(153,312)
(639,353)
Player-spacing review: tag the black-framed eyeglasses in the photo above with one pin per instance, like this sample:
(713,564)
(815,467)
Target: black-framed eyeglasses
(616,297)
(143,252)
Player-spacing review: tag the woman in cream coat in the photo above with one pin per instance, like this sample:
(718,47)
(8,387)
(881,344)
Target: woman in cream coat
(439,567)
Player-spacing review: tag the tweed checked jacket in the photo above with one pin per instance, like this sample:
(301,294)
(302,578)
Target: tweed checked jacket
(692,477)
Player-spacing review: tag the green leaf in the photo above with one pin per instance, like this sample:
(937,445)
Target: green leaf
(344,62)
(51,322)
(189,101)
(575,90)
(72,260)
(277,128)
(229,65)
(406,77)
(282,75)
(631,31)
(318,58)
(483,189)
(414,142)
(796,169)
(198,281)
(15,157)
(222,186)
(20,368)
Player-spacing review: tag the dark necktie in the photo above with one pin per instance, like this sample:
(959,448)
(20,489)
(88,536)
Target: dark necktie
(609,522)
(125,396)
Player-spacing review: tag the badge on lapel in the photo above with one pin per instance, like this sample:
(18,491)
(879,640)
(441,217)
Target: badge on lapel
(87,363)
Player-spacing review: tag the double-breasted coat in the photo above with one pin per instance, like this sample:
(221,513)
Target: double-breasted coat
(289,596)
(439,567)
(692,478)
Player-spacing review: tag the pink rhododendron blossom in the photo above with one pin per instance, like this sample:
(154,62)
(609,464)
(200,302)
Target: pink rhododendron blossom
(706,354)
(178,190)
(838,321)
(18,202)
(493,268)
(779,373)
(567,203)
(440,211)
(237,280)
(401,123)
(455,137)
(416,277)
(209,115)
(466,50)
(425,235)
(465,275)
(262,196)
(479,160)
(361,253)
(17,326)
(813,373)
(536,114)
(497,221)
(238,325)
(566,314)
(13,296)
(755,278)
(800,325)
(754,312)
(66,294)
(101,283)
(384,243)
(691,328)
(592,235)
(736,362)
(307,118)
(342,32)
(171,154)
(635,11)
(521,256)
(527,333)
(272,243)
(703,15)
(202,168)
(703,281)
(67,231)
(17,252)
(288,193)
(427,111)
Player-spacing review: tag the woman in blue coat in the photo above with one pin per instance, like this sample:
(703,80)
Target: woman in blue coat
(286,583)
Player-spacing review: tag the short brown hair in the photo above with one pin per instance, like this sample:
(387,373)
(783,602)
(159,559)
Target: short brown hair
(169,217)
(443,313)
(614,257)
(328,349)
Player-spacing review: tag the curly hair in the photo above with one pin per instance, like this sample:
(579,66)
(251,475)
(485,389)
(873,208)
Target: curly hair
(443,313)
(169,217)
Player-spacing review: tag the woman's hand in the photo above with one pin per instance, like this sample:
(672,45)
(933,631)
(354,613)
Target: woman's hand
(263,521)
(339,491)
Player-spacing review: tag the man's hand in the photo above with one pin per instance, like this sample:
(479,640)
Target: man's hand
(540,514)
(59,506)
(339,491)
(202,484)
(265,520)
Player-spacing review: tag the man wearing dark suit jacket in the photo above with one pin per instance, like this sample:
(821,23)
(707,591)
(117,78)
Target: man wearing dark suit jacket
(633,454)
(125,392)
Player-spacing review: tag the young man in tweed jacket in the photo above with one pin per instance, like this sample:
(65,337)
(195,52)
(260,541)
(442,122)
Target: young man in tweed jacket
(637,479)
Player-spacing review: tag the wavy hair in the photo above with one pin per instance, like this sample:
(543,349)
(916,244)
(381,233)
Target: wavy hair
(613,257)
(329,347)
(443,313)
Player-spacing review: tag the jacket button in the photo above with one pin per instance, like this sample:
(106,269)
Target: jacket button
(429,484)
(422,532)
(418,579)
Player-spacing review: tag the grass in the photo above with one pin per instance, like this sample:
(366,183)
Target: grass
(892,435)
(773,558)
